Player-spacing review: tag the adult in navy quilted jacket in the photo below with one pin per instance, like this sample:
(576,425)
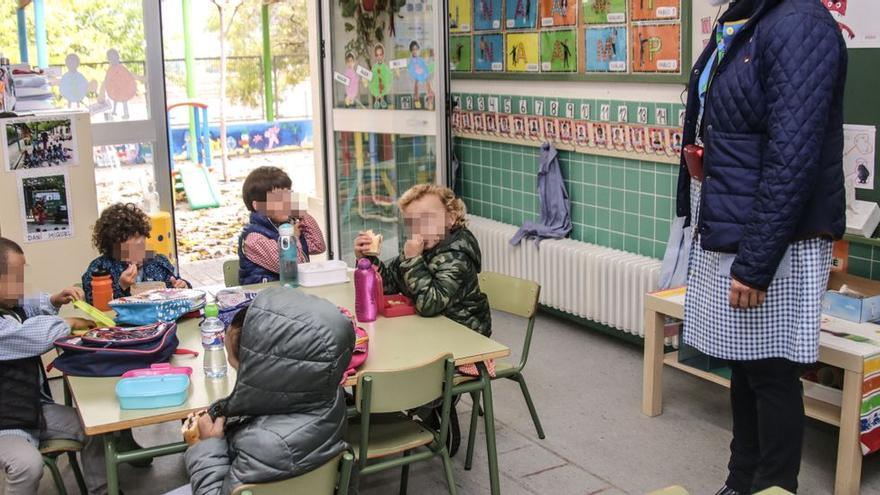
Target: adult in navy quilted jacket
(765,101)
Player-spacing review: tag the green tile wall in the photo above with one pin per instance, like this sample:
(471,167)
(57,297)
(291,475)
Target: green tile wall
(864,260)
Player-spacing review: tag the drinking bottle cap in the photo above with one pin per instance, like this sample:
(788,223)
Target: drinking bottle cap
(364,264)
(285,229)
(211,311)
(100,273)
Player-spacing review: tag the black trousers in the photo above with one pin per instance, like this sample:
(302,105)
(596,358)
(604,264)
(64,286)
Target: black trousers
(766,397)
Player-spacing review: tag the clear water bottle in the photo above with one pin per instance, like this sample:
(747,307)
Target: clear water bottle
(213,332)
(288,271)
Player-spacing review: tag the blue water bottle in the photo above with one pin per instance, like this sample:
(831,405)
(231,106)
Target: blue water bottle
(288,271)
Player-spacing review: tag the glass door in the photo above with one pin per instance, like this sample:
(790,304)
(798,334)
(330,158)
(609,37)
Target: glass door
(385,109)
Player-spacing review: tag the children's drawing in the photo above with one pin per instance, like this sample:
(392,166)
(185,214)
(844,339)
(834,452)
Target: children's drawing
(488,52)
(73,86)
(606,49)
(120,85)
(656,48)
(460,53)
(487,15)
(380,84)
(460,16)
(558,13)
(353,88)
(522,52)
(857,20)
(559,51)
(604,11)
(421,74)
(859,150)
(521,14)
(651,10)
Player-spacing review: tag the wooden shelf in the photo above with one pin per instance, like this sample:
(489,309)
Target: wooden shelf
(816,409)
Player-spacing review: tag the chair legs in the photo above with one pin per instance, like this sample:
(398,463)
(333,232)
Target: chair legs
(531,405)
(77,473)
(447,466)
(404,475)
(472,432)
(56,475)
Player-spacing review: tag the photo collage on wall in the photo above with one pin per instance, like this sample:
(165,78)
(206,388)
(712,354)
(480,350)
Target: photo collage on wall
(566,36)
(633,127)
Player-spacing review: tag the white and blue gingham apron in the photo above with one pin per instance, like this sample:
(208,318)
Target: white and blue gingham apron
(785,326)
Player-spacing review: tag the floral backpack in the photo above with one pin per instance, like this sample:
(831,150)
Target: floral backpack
(361,346)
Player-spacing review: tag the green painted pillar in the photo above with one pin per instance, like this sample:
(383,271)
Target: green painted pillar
(189,62)
(269,94)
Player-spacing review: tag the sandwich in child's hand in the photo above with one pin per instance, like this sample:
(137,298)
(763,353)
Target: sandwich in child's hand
(190,428)
(375,245)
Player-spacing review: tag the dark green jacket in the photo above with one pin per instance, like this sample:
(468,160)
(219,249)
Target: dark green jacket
(443,281)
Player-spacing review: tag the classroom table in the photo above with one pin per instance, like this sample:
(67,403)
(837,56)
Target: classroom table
(836,348)
(395,343)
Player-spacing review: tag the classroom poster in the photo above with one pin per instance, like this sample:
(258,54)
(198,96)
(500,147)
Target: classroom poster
(654,10)
(488,52)
(460,16)
(34,143)
(656,48)
(460,53)
(487,15)
(556,13)
(46,210)
(604,11)
(606,49)
(559,51)
(521,14)
(859,146)
(857,20)
(523,52)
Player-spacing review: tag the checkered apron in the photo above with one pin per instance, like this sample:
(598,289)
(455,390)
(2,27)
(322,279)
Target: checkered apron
(785,326)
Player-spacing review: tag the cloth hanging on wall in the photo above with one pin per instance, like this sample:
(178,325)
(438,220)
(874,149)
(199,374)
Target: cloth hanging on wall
(555,205)
(673,271)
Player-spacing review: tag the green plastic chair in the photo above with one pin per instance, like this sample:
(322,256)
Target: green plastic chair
(230,273)
(329,479)
(518,297)
(382,431)
(51,450)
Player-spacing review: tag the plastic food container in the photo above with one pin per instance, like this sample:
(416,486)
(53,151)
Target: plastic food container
(323,273)
(159,369)
(396,305)
(152,392)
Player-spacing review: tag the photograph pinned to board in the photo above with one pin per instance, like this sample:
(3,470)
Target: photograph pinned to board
(460,54)
(582,133)
(521,14)
(488,53)
(460,16)
(859,148)
(491,123)
(44,198)
(523,52)
(566,134)
(487,15)
(857,20)
(658,142)
(559,51)
(504,125)
(604,11)
(551,128)
(618,137)
(35,143)
(479,123)
(655,10)
(534,128)
(556,13)
(638,139)
(519,126)
(606,49)
(656,48)
(601,135)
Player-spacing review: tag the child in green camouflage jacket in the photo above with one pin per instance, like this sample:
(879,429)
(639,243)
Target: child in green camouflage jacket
(439,266)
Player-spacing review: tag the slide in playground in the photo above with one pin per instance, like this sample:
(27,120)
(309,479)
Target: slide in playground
(199,185)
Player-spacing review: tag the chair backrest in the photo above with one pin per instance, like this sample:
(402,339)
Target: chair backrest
(321,481)
(510,294)
(230,273)
(401,390)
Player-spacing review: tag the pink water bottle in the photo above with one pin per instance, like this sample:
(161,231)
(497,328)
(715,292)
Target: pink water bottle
(366,307)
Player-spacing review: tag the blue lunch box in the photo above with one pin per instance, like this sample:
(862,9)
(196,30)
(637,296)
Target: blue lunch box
(152,392)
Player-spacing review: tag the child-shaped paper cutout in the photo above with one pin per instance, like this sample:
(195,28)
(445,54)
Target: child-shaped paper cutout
(421,73)
(354,81)
(120,85)
(73,86)
(380,85)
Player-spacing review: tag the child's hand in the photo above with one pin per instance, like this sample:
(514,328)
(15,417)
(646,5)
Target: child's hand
(297,228)
(414,247)
(362,244)
(128,277)
(80,324)
(209,428)
(178,283)
(67,296)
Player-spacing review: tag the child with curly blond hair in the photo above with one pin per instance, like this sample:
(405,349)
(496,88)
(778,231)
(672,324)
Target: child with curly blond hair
(441,260)
(120,236)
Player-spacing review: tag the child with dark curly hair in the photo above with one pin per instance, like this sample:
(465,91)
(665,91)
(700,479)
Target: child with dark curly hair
(120,236)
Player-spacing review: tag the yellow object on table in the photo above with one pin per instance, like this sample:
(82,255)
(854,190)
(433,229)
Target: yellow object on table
(160,241)
(94,313)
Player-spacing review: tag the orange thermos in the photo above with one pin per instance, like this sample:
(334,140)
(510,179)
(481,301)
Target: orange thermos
(102,290)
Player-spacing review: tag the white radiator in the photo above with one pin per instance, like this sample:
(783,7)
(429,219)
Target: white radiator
(597,283)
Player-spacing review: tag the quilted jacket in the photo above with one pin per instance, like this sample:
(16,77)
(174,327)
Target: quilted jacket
(773,136)
(286,415)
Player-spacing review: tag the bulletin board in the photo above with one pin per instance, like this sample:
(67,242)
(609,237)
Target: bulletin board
(613,40)
(861,105)
(48,201)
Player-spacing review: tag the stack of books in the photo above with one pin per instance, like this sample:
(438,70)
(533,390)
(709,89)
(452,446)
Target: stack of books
(32,89)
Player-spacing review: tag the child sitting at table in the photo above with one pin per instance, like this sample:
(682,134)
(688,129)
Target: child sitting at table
(440,262)
(267,195)
(28,416)
(120,236)
(286,415)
